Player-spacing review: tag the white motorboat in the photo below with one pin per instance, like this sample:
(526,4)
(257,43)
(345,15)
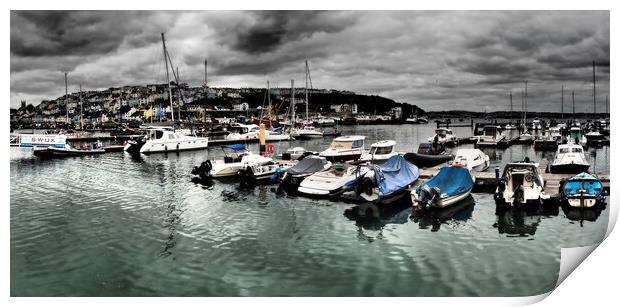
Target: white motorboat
(345,148)
(520,185)
(472,159)
(412,120)
(231,164)
(569,159)
(491,136)
(306,167)
(296,153)
(239,132)
(510,127)
(536,124)
(594,136)
(526,137)
(334,181)
(265,173)
(380,152)
(167,140)
(306,132)
(443,136)
(322,121)
(576,136)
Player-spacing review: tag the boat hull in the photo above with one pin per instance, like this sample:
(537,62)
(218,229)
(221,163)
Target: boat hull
(343,157)
(444,202)
(52,152)
(568,168)
(162,147)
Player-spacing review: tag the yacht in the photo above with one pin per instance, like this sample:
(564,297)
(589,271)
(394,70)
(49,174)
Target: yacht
(520,185)
(322,121)
(380,152)
(166,139)
(491,136)
(412,120)
(345,148)
(569,159)
(472,159)
(576,136)
(306,132)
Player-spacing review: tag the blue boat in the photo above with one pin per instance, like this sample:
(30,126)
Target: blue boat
(388,182)
(451,185)
(583,190)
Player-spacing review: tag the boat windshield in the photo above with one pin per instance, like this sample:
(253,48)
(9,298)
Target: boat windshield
(564,150)
(577,149)
(381,150)
(156,134)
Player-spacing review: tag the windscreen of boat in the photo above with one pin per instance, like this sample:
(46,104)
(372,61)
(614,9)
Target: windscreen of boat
(489,131)
(381,150)
(564,150)
(342,144)
(577,149)
(156,134)
(306,166)
(590,187)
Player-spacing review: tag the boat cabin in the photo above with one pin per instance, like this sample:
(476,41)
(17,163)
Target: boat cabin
(348,142)
(431,149)
(382,147)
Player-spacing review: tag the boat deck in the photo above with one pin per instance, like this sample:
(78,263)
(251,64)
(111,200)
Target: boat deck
(487,180)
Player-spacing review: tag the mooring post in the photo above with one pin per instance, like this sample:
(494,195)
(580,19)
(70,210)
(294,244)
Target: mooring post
(497,172)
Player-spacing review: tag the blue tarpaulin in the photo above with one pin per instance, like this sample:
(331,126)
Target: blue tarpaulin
(452,180)
(591,184)
(395,174)
(236,147)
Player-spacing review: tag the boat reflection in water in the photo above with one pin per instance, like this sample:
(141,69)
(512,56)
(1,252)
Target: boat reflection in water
(522,222)
(589,214)
(374,217)
(461,211)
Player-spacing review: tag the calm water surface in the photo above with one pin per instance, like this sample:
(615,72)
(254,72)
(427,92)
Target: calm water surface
(117,225)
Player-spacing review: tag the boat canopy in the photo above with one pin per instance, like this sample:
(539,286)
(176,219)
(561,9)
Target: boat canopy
(395,174)
(307,165)
(452,180)
(591,185)
(236,147)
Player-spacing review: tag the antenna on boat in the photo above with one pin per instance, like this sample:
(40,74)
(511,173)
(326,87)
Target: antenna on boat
(163,41)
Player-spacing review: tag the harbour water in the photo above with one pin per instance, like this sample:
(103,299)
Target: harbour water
(117,225)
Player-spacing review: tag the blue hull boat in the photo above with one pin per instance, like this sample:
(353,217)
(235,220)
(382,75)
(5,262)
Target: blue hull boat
(583,190)
(451,185)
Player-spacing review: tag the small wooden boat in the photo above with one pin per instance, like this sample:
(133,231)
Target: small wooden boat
(67,151)
(451,185)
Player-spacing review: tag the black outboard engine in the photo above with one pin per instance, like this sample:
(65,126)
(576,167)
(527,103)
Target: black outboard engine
(427,197)
(203,170)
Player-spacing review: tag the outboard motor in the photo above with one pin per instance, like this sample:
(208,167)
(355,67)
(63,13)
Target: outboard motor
(203,170)
(427,196)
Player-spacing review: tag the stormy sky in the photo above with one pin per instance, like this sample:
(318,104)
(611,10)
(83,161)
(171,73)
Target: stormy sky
(438,60)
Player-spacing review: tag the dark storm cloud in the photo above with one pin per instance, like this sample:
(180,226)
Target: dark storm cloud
(438,60)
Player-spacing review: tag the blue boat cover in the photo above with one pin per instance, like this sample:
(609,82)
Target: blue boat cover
(590,183)
(395,174)
(236,147)
(452,180)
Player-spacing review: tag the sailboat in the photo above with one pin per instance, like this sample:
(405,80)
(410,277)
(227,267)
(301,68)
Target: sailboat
(164,139)
(526,136)
(307,130)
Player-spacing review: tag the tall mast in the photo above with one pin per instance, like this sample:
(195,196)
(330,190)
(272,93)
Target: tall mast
(562,102)
(511,104)
(594,85)
(66,99)
(206,73)
(163,41)
(307,72)
(81,110)
(293,103)
(525,119)
(179,91)
(573,94)
(607,104)
(269,101)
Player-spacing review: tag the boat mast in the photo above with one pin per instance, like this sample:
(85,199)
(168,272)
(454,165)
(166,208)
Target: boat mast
(206,74)
(511,104)
(179,91)
(66,99)
(163,41)
(562,102)
(292,103)
(573,94)
(525,118)
(307,72)
(594,85)
(269,102)
(81,110)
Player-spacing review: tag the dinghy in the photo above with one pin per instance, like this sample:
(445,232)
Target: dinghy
(473,159)
(582,191)
(388,182)
(67,151)
(451,185)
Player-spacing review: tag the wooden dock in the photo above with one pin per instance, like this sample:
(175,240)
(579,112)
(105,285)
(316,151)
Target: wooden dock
(487,181)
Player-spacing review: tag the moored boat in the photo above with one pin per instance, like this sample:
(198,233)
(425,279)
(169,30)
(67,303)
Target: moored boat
(451,185)
(569,159)
(583,190)
(380,152)
(66,151)
(167,140)
(520,185)
(345,148)
(388,182)
(239,158)
(306,167)
(472,159)
(338,179)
